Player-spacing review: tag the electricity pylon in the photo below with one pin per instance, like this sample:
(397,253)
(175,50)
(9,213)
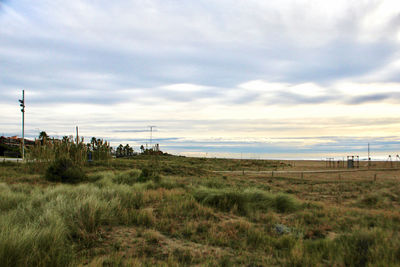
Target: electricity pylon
(151,133)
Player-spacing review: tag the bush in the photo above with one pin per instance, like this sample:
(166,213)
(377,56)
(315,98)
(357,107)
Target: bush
(65,171)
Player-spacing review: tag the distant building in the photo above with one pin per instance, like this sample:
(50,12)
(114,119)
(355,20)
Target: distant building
(14,141)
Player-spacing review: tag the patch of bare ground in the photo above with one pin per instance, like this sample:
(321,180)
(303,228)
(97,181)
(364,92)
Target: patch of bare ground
(130,243)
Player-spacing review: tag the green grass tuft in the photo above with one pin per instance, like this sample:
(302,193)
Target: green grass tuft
(244,202)
(128,178)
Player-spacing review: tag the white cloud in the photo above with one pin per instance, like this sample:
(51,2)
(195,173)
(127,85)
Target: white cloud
(184,87)
(237,70)
(375,23)
(351,89)
(263,86)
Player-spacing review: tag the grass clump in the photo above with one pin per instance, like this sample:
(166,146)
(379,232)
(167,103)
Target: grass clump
(49,225)
(149,174)
(65,171)
(244,202)
(380,199)
(285,203)
(370,200)
(35,245)
(357,248)
(223,199)
(369,248)
(9,199)
(128,178)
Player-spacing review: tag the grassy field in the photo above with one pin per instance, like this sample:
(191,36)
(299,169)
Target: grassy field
(187,212)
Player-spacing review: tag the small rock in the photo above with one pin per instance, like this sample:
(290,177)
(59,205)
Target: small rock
(281,229)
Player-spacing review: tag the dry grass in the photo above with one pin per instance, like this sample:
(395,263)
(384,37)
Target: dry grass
(208,219)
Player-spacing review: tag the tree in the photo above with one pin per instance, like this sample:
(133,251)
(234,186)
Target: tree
(126,150)
(99,142)
(93,142)
(130,151)
(43,137)
(119,150)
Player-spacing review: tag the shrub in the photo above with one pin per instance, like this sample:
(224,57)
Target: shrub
(65,171)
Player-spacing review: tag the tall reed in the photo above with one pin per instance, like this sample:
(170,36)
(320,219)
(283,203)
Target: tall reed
(49,150)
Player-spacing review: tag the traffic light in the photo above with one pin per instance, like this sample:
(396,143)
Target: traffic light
(22,104)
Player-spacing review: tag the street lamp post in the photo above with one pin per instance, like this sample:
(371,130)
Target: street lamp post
(22,104)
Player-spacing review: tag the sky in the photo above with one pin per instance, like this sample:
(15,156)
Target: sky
(248,78)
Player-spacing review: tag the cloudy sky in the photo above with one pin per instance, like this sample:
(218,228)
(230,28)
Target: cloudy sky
(218,78)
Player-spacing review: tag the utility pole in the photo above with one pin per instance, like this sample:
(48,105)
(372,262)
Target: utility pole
(77,135)
(22,104)
(151,133)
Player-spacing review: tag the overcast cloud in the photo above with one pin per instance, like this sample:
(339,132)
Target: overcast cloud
(204,71)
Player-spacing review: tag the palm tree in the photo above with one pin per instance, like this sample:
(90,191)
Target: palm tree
(130,151)
(119,150)
(126,150)
(93,141)
(43,137)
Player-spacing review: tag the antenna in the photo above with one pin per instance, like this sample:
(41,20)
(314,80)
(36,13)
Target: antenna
(151,133)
